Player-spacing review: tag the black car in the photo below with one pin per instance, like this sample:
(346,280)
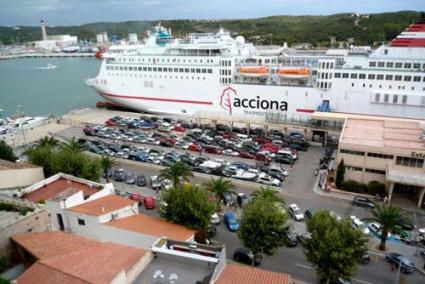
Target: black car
(242,199)
(308,214)
(246,256)
(227,172)
(365,259)
(227,198)
(141,180)
(277,175)
(129,179)
(167,162)
(363,202)
(118,175)
(202,170)
(291,240)
(283,160)
(211,231)
(298,146)
(397,259)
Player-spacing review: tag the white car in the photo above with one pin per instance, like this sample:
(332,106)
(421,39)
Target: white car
(215,219)
(267,154)
(230,152)
(181,145)
(295,212)
(376,228)
(359,225)
(266,179)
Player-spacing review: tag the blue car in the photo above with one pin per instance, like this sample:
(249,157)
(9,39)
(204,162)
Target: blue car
(230,221)
(296,134)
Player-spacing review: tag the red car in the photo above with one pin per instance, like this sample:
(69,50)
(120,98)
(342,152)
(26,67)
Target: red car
(227,135)
(149,202)
(110,123)
(194,147)
(262,140)
(136,197)
(261,157)
(246,155)
(179,128)
(274,148)
(213,149)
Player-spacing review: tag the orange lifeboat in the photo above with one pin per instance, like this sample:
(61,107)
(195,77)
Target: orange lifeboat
(254,71)
(99,54)
(294,73)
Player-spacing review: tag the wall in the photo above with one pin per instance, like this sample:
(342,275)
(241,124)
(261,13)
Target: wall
(118,214)
(134,272)
(88,230)
(20,177)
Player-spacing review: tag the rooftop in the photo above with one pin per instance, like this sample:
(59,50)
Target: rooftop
(242,274)
(401,134)
(6,165)
(53,189)
(103,205)
(153,226)
(82,260)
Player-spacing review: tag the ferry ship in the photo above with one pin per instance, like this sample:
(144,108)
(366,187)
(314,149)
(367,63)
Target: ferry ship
(216,74)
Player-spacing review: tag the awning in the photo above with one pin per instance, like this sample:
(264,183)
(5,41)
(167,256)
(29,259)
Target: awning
(406,177)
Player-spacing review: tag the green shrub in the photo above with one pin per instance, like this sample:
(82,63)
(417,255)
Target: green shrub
(351,185)
(375,187)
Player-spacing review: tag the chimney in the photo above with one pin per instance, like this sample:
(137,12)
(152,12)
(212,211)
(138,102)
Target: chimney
(43,30)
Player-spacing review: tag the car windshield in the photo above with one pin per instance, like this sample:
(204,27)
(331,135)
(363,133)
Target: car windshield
(405,260)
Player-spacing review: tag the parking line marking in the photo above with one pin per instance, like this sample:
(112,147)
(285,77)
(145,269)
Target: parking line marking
(303,266)
(361,281)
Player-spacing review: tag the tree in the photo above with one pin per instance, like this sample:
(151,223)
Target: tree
(107,163)
(268,193)
(334,248)
(47,141)
(72,146)
(263,227)
(388,216)
(176,173)
(340,172)
(6,152)
(187,205)
(42,156)
(219,187)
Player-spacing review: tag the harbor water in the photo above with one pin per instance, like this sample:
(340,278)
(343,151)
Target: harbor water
(25,87)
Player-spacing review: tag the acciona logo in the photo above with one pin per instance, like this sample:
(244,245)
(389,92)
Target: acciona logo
(229,101)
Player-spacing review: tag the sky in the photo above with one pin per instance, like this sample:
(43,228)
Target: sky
(76,12)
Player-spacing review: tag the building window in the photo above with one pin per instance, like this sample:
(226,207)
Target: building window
(357,153)
(373,171)
(410,162)
(81,222)
(416,65)
(372,64)
(390,65)
(355,169)
(380,156)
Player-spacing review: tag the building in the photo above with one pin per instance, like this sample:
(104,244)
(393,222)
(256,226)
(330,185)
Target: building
(18,175)
(55,42)
(388,150)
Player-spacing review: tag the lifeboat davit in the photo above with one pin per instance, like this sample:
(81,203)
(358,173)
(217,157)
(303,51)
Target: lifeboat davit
(294,73)
(254,71)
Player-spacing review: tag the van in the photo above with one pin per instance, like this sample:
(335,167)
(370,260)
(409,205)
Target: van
(230,221)
(243,137)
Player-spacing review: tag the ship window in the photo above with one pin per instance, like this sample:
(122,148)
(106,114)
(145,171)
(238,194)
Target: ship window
(186,70)
(390,64)
(144,68)
(337,75)
(423,79)
(125,68)
(130,68)
(159,69)
(381,64)
(404,99)
(266,60)
(149,68)
(380,77)
(386,98)
(352,84)
(344,75)
(205,71)
(388,77)
(398,65)
(192,70)
(362,76)
(372,64)
(176,70)
(370,85)
(371,76)
(210,71)
(181,70)
(198,70)
(395,99)
(407,65)
(165,69)
(353,75)
(397,77)
(139,68)
(407,78)
(416,65)
(154,69)
(377,97)
(416,79)
(364,85)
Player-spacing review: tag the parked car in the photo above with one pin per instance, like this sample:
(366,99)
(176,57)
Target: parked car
(246,155)
(211,231)
(136,197)
(406,265)
(309,213)
(283,160)
(263,158)
(130,179)
(266,179)
(365,259)
(230,221)
(242,199)
(246,256)
(194,147)
(119,175)
(227,198)
(141,180)
(149,202)
(303,238)
(213,149)
(181,145)
(155,183)
(291,239)
(359,225)
(363,202)
(295,212)
(298,146)
(230,152)
(215,219)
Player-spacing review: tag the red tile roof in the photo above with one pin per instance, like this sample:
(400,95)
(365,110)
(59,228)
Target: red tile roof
(242,274)
(153,226)
(103,205)
(51,190)
(83,261)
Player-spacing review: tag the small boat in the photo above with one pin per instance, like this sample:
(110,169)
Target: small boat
(99,54)
(254,71)
(294,73)
(48,67)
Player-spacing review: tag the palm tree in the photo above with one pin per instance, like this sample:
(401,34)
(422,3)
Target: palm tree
(219,187)
(388,216)
(176,173)
(269,194)
(47,141)
(107,163)
(73,146)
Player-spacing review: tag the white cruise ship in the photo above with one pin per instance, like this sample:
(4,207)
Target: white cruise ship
(215,74)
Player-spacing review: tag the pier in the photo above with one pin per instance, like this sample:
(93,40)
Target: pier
(47,55)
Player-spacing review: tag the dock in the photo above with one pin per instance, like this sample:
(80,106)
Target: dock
(47,55)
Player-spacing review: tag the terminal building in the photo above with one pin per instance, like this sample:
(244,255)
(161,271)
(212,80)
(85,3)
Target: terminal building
(388,150)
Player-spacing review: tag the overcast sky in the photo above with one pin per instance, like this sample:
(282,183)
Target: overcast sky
(76,12)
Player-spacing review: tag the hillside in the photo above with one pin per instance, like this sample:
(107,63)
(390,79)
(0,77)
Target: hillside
(277,29)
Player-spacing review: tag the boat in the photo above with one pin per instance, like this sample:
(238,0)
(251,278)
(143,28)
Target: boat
(20,123)
(217,75)
(99,54)
(245,175)
(47,67)
(294,73)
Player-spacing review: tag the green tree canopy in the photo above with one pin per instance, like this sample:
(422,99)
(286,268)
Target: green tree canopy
(6,152)
(340,172)
(107,162)
(176,173)
(47,141)
(187,205)
(263,227)
(388,216)
(268,193)
(219,187)
(334,248)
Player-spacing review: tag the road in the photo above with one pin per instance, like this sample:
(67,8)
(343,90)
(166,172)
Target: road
(296,189)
